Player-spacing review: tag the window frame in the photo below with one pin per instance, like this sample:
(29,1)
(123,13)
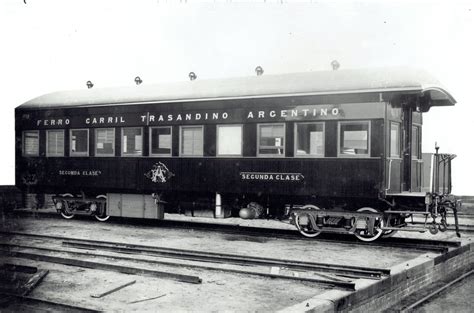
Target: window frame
(78,154)
(95,143)
(23,153)
(47,143)
(181,127)
(129,155)
(369,133)
(150,139)
(258,141)
(418,138)
(393,156)
(241,140)
(296,155)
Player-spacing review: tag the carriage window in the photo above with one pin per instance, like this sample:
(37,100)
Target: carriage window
(394,139)
(415,142)
(79,142)
(31,143)
(271,139)
(132,143)
(160,141)
(54,143)
(105,142)
(354,139)
(229,140)
(191,141)
(309,139)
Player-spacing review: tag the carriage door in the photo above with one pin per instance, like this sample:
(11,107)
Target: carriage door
(411,150)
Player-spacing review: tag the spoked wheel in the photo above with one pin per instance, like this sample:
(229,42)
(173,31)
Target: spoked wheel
(306,230)
(363,234)
(65,213)
(103,215)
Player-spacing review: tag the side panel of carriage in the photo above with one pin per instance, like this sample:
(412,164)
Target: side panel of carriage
(331,176)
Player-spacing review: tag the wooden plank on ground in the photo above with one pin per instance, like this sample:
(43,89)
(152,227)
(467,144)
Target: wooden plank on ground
(100,295)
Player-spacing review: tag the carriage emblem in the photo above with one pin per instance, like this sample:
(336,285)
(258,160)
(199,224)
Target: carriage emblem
(159,173)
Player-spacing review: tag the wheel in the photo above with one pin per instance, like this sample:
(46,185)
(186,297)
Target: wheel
(103,217)
(363,234)
(65,213)
(307,231)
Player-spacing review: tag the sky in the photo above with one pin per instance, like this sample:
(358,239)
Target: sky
(51,45)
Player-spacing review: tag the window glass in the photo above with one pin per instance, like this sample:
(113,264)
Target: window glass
(160,141)
(310,139)
(354,138)
(394,139)
(229,140)
(55,143)
(415,142)
(31,143)
(105,141)
(191,141)
(271,139)
(79,141)
(132,143)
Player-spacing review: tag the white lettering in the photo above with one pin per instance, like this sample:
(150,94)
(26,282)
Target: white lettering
(335,111)
(272,113)
(198,116)
(324,112)
(261,114)
(225,115)
(250,115)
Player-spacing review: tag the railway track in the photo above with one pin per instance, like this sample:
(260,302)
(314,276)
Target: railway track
(417,300)
(440,246)
(16,303)
(79,253)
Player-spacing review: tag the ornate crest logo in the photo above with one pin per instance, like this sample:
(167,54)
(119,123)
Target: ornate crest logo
(159,173)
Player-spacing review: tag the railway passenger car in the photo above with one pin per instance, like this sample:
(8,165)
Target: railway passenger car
(332,151)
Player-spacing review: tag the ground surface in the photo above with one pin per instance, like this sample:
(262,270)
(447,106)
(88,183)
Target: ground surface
(219,291)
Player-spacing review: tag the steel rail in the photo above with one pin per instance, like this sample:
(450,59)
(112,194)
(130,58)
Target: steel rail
(129,270)
(412,306)
(13,299)
(205,256)
(342,270)
(7,248)
(440,246)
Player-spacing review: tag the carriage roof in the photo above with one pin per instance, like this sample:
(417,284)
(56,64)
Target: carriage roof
(378,80)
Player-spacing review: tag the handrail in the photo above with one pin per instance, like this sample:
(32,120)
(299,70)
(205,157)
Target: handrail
(389,175)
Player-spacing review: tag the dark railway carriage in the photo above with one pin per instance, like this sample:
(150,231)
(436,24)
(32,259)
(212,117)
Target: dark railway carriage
(332,151)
